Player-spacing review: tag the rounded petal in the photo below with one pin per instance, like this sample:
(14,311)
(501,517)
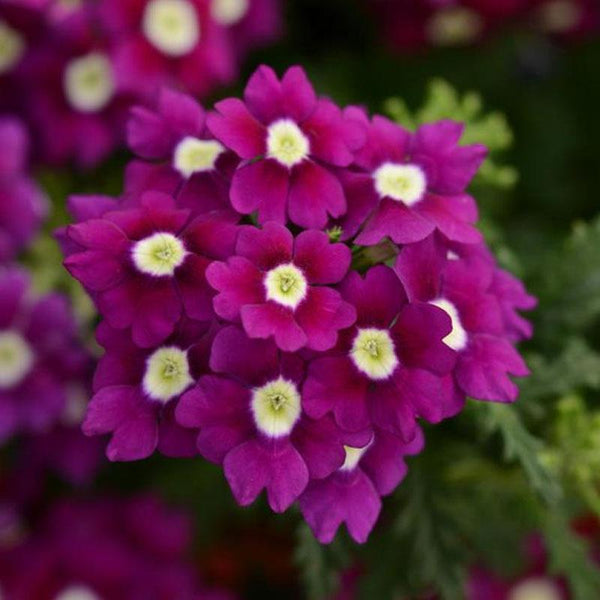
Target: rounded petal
(266,247)
(272,320)
(321,261)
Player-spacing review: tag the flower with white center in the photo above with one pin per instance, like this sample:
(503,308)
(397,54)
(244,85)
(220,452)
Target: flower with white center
(454,26)
(373,353)
(77,592)
(229,12)
(457,338)
(535,589)
(12,47)
(16,359)
(558,16)
(195,156)
(171,26)
(167,373)
(276,407)
(89,82)
(286,285)
(353,456)
(286,143)
(404,183)
(159,254)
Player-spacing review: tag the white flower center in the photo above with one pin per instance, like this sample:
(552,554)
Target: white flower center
(457,338)
(276,407)
(535,589)
(159,254)
(454,26)
(89,82)
(404,183)
(12,47)
(171,26)
(167,373)
(373,353)
(353,456)
(194,156)
(286,285)
(287,143)
(229,12)
(77,592)
(16,359)
(558,16)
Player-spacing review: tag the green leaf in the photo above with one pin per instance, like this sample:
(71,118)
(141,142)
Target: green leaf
(522,446)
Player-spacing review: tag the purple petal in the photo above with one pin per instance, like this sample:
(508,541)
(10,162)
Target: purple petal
(314,194)
(262,186)
(321,261)
(272,320)
(397,221)
(267,247)
(237,129)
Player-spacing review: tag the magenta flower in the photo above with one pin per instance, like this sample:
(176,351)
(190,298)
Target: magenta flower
(167,42)
(249,23)
(566,20)
(250,419)
(351,495)
(136,391)
(145,267)
(276,287)
(389,368)
(290,140)
(465,288)
(186,161)
(410,184)
(99,549)
(40,356)
(23,205)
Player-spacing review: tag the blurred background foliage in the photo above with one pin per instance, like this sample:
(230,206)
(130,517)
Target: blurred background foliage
(495,473)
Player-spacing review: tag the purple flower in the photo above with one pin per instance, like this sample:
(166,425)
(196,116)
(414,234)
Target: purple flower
(465,288)
(351,495)
(407,185)
(249,23)
(250,419)
(101,548)
(145,267)
(389,368)
(186,161)
(40,356)
(290,140)
(167,42)
(23,205)
(136,391)
(276,287)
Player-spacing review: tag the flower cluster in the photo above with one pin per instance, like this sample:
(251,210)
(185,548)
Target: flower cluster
(414,25)
(286,289)
(73,69)
(43,364)
(22,204)
(106,549)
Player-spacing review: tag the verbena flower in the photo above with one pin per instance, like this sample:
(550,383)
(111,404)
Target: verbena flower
(276,286)
(286,289)
(93,550)
(180,156)
(290,141)
(406,185)
(250,419)
(136,391)
(23,205)
(465,289)
(351,495)
(389,368)
(146,266)
(41,356)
